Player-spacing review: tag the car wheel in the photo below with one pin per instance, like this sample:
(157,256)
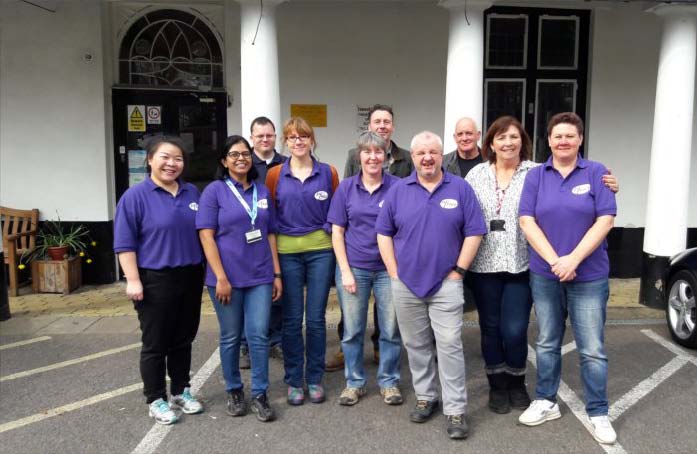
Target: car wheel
(681,312)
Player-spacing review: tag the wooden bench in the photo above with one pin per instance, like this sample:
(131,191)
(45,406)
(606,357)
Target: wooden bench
(19,229)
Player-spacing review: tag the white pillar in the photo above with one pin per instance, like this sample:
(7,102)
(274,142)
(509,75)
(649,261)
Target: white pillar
(464,84)
(669,174)
(259,86)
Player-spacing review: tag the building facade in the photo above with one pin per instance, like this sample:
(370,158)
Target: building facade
(82,83)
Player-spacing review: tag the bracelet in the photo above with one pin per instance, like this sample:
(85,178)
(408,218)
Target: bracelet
(277,275)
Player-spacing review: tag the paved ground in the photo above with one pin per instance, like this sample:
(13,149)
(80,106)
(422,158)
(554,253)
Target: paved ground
(69,383)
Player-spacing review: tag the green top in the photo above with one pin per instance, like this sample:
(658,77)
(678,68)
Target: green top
(313,241)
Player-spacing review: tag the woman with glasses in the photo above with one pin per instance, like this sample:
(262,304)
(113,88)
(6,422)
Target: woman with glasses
(360,271)
(159,252)
(302,188)
(237,226)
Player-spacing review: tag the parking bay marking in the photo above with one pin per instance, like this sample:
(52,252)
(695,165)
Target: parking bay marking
(25,342)
(569,397)
(154,437)
(69,362)
(69,407)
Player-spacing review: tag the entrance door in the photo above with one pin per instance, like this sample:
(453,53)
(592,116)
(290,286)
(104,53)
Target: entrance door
(198,118)
(536,65)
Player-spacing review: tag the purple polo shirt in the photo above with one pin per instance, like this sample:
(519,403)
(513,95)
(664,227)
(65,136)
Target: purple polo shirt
(245,265)
(158,227)
(565,209)
(428,229)
(302,207)
(356,210)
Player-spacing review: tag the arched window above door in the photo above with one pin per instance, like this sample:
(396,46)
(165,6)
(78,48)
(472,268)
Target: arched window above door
(170,48)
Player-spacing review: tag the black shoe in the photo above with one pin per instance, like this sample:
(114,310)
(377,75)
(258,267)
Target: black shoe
(423,410)
(457,427)
(236,405)
(244,358)
(261,408)
(517,393)
(498,393)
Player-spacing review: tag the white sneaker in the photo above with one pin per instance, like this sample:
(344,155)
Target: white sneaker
(160,410)
(188,403)
(539,411)
(602,429)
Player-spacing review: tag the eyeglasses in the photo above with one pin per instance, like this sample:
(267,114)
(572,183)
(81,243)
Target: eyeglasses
(373,153)
(298,138)
(238,155)
(264,136)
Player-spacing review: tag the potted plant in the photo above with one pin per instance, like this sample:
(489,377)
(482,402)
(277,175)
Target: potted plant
(56,259)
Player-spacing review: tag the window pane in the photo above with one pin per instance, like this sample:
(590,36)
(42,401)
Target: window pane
(504,98)
(558,42)
(552,98)
(507,41)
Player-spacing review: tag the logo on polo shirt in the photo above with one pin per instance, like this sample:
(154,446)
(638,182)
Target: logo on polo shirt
(382,202)
(581,189)
(193,206)
(263,203)
(321,195)
(448,204)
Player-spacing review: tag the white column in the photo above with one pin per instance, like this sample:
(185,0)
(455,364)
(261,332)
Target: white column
(259,86)
(464,84)
(669,174)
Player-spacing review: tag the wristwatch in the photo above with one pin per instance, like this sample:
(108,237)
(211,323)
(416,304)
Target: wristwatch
(278,275)
(459,270)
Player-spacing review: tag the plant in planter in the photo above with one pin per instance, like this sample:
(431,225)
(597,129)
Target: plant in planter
(56,259)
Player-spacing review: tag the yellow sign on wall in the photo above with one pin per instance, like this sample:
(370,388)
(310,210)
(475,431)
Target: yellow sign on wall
(136,118)
(315,114)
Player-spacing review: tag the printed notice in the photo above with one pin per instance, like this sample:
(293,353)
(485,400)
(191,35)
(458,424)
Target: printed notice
(154,115)
(136,118)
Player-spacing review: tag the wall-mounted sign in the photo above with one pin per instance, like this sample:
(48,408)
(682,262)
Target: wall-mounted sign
(315,114)
(137,170)
(154,115)
(362,118)
(136,118)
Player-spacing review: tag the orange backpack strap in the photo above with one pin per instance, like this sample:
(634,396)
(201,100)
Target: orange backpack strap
(272,181)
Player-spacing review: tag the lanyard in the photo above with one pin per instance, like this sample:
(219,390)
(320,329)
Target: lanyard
(251,212)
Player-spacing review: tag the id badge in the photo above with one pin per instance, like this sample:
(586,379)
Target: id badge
(497,225)
(253,236)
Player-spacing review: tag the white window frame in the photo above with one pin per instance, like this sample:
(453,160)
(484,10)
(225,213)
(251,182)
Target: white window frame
(577,20)
(525,39)
(537,103)
(500,79)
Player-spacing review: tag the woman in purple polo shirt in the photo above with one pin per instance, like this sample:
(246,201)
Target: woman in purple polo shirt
(566,212)
(237,228)
(360,271)
(156,242)
(302,189)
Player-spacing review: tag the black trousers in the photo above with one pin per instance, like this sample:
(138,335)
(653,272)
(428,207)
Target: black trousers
(169,316)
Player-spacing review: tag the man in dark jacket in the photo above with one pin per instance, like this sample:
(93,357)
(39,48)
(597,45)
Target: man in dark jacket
(467,155)
(397,160)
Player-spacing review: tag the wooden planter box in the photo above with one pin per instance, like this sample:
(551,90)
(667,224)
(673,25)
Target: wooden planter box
(56,276)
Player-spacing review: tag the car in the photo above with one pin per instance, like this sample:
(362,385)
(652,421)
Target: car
(680,284)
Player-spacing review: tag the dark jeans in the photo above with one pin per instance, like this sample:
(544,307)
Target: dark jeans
(169,315)
(503,302)
(376,327)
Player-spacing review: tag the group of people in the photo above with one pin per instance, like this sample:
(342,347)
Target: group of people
(416,229)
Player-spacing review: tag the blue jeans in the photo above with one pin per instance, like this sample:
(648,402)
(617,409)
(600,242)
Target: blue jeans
(585,303)
(314,269)
(274,326)
(355,310)
(248,310)
(503,303)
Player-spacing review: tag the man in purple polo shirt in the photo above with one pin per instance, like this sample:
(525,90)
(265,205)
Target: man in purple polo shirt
(429,229)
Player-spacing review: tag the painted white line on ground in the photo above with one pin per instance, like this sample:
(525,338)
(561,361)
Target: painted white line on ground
(25,342)
(569,397)
(644,387)
(67,408)
(571,346)
(678,350)
(69,362)
(158,432)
